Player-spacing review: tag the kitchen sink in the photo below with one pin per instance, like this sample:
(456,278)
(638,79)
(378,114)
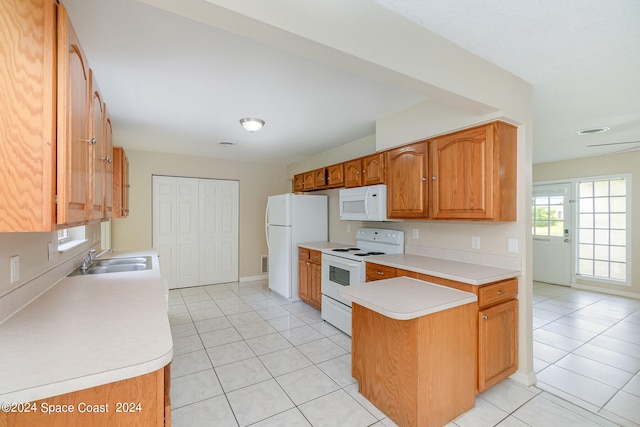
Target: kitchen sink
(120,261)
(115,265)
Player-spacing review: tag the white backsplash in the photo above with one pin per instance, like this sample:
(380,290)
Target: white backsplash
(473,257)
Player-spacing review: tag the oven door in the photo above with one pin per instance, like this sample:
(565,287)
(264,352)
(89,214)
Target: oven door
(338,272)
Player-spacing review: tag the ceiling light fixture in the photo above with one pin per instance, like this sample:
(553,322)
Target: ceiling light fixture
(226,143)
(252,124)
(592,131)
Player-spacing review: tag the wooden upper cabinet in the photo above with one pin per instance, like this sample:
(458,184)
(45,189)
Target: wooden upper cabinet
(373,170)
(99,149)
(473,174)
(406,181)
(298,182)
(335,175)
(320,178)
(75,143)
(120,183)
(309,181)
(28,130)
(353,173)
(108,158)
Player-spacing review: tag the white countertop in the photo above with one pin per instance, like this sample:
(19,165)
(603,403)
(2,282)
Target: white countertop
(319,246)
(465,272)
(404,298)
(86,331)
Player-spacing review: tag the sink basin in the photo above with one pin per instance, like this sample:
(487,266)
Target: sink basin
(119,261)
(115,268)
(115,265)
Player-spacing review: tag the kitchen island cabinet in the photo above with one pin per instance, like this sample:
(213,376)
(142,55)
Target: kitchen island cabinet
(411,351)
(496,310)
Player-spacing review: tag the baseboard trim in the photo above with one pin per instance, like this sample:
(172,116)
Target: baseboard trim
(254,278)
(524,379)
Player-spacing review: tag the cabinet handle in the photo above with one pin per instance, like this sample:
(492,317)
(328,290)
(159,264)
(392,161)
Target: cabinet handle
(424,179)
(106,159)
(500,292)
(485,317)
(308,263)
(379,273)
(433,178)
(91,141)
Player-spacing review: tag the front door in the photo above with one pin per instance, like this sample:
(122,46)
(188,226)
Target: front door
(551,233)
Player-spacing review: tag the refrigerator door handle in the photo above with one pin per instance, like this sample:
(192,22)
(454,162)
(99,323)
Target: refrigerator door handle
(266,224)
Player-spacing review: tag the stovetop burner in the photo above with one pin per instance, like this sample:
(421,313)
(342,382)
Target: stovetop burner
(345,249)
(369,253)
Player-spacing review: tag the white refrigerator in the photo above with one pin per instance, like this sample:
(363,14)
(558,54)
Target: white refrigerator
(292,219)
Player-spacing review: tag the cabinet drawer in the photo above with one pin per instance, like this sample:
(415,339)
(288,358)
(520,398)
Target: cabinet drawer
(315,256)
(498,292)
(379,272)
(303,253)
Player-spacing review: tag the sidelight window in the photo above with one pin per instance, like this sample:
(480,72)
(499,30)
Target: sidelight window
(603,228)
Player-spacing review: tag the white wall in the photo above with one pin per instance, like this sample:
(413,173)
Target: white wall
(597,166)
(37,271)
(257,182)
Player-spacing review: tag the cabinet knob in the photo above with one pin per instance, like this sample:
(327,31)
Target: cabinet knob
(357,172)
(364,170)
(433,178)
(424,179)
(308,263)
(92,141)
(106,159)
(485,317)
(379,273)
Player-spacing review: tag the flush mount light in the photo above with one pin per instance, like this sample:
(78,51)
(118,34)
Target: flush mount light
(252,124)
(592,131)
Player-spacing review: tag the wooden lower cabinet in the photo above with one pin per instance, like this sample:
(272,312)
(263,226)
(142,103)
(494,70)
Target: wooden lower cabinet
(309,277)
(137,401)
(419,372)
(497,309)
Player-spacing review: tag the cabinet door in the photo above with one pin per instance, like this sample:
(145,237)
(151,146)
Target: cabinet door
(497,343)
(406,184)
(304,279)
(298,182)
(98,116)
(108,156)
(320,178)
(315,288)
(373,169)
(126,187)
(461,175)
(309,180)
(353,173)
(75,145)
(335,175)
(120,183)
(28,115)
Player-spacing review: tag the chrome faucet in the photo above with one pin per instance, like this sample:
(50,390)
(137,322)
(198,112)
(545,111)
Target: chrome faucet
(86,263)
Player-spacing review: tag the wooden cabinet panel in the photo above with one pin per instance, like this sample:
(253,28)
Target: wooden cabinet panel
(99,150)
(373,171)
(137,401)
(320,178)
(335,175)
(309,181)
(120,183)
(497,343)
(498,292)
(309,276)
(473,174)
(75,143)
(379,272)
(28,130)
(406,181)
(298,182)
(352,173)
(108,153)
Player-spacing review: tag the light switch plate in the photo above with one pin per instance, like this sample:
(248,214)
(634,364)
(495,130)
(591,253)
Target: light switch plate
(50,251)
(416,234)
(513,245)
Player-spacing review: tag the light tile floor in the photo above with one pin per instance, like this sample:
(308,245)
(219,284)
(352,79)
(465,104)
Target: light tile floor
(587,350)
(243,356)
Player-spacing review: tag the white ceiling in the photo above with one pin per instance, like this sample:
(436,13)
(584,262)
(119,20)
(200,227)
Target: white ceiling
(179,86)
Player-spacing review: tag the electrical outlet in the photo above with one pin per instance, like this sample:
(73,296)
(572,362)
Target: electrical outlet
(513,245)
(50,251)
(416,234)
(475,242)
(348,228)
(15,268)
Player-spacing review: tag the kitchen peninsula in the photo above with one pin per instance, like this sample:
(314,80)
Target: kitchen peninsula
(414,349)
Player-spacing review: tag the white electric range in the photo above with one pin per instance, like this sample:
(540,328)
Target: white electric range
(346,266)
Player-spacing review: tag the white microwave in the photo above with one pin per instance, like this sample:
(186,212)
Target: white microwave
(364,203)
